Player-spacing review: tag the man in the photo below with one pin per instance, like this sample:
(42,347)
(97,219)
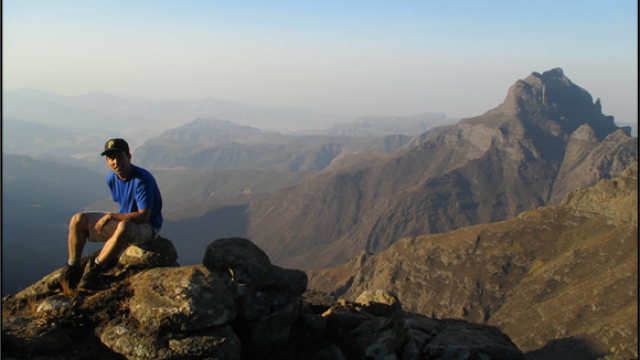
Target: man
(138,221)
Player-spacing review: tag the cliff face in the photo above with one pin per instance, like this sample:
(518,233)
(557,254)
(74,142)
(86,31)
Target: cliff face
(237,305)
(557,275)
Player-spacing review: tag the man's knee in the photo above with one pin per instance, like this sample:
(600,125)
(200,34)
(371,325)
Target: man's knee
(124,229)
(79,221)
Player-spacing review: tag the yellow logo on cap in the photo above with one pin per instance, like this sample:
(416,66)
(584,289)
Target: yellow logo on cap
(111,143)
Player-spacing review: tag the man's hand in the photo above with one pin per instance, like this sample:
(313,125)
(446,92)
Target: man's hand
(103,222)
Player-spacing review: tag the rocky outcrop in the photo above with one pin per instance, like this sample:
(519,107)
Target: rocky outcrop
(235,306)
(616,199)
(589,160)
(266,295)
(559,277)
(160,253)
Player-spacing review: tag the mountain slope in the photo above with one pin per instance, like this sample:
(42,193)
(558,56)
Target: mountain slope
(484,169)
(213,144)
(558,272)
(386,125)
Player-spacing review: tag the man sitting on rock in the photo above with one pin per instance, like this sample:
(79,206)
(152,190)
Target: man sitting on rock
(138,221)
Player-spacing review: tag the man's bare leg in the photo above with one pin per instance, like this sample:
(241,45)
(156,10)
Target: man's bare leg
(78,233)
(116,243)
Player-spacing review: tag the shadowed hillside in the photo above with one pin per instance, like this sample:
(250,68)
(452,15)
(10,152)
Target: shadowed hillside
(38,199)
(548,276)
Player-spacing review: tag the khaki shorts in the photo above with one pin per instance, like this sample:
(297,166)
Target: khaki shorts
(140,233)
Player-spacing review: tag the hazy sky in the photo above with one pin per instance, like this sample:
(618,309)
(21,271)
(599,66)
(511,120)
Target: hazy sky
(353,57)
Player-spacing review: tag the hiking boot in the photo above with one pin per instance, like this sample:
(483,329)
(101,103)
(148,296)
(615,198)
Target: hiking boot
(92,278)
(71,275)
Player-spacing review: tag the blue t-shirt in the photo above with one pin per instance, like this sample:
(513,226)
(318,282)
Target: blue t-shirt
(140,191)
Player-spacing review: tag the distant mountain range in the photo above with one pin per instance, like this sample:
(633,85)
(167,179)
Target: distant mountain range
(528,152)
(99,110)
(213,144)
(378,126)
(71,129)
(495,219)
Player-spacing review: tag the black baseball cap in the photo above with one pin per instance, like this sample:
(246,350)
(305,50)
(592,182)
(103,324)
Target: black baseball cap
(115,145)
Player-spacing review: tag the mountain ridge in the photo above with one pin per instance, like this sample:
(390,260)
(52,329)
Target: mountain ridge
(557,272)
(499,164)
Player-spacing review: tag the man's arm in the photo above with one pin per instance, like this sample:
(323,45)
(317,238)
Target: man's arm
(139,217)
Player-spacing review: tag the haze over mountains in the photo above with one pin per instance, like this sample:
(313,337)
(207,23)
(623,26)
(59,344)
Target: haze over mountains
(60,133)
(313,201)
(357,202)
(525,153)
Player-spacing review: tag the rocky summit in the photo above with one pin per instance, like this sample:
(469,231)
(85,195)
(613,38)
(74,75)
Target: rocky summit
(237,305)
(560,281)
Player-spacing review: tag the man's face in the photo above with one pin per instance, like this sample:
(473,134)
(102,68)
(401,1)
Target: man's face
(119,162)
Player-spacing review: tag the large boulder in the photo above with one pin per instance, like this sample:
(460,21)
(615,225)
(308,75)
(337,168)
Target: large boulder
(258,287)
(134,259)
(266,295)
(214,343)
(238,258)
(465,341)
(181,299)
(158,253)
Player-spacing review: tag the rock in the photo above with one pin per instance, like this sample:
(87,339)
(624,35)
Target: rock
(425,325)
(376,338)
(181,299)
(380,346)
(332,352)
(318,302)
(274,329)
(215,343)
(616,199)
(54,303)
(265,295)
(46,285)
(192,313)
(135,258)
(589,160)
(239,258)
(379,302)
(415,341)
(374,325)
(342,317)
(462,341)
(258,287)
(159,253)
(31,337)
(256,300)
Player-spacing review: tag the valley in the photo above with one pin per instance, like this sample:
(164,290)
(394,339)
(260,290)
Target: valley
(524,217)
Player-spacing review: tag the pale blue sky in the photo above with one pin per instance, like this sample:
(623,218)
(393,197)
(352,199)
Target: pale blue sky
(354,57)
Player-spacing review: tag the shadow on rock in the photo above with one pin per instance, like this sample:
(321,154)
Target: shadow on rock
(565,349)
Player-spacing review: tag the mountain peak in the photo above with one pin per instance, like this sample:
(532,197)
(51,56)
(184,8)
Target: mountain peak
(553,73)
(551,102)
